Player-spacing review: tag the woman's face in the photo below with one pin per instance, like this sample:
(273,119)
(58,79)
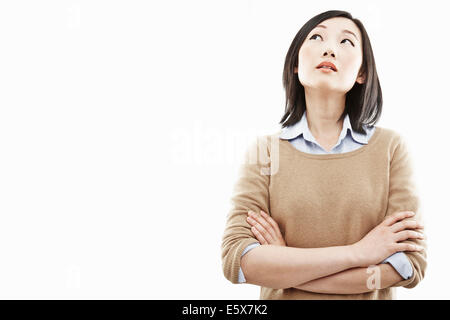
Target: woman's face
(331,43)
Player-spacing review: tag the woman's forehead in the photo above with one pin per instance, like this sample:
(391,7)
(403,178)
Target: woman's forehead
(343,25)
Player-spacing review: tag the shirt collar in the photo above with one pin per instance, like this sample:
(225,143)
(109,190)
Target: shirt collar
(301,127)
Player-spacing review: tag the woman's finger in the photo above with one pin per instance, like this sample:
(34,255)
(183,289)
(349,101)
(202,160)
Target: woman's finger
(406,224)
(255,230)
(272,223)
(263,231)
(259,236)
(390,220)
(268,228)
(408,234)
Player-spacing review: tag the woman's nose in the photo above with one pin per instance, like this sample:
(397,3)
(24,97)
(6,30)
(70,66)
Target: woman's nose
(329,52)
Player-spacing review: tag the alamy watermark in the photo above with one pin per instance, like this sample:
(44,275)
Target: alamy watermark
(201,145)
(373,281)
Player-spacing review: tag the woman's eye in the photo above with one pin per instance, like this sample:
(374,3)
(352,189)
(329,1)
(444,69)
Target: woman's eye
(349,41)
(321,37)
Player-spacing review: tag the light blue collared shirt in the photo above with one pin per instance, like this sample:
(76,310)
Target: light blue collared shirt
(302,139)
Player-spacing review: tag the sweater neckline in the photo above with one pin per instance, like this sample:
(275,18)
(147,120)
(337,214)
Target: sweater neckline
(326,156)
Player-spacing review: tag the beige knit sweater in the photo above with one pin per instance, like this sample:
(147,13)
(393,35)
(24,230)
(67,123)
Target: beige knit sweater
(322,200)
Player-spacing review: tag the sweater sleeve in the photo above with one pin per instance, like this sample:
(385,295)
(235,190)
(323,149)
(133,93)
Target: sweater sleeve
(403,196)
(250,192)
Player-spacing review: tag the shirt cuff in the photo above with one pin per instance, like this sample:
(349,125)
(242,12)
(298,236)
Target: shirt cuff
(241,277)
(401,263)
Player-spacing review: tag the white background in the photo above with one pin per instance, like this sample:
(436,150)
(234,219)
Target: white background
(122,124)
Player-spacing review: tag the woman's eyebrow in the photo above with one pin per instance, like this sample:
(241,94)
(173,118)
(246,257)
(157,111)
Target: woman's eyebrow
(343,31)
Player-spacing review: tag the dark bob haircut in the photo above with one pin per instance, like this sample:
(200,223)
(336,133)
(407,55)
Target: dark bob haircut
(363,103)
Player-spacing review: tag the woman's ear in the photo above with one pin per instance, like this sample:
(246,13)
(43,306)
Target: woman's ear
(361,78)
(295,70)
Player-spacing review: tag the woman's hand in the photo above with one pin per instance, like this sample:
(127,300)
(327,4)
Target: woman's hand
(382,241)
(265,229)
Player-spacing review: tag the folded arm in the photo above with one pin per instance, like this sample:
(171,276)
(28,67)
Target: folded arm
(282,267)
(355,280)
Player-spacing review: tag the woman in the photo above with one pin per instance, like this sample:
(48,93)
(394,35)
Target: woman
(335,212)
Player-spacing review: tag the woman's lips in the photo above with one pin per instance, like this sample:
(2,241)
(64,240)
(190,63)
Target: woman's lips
(326,70)
(328,64)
